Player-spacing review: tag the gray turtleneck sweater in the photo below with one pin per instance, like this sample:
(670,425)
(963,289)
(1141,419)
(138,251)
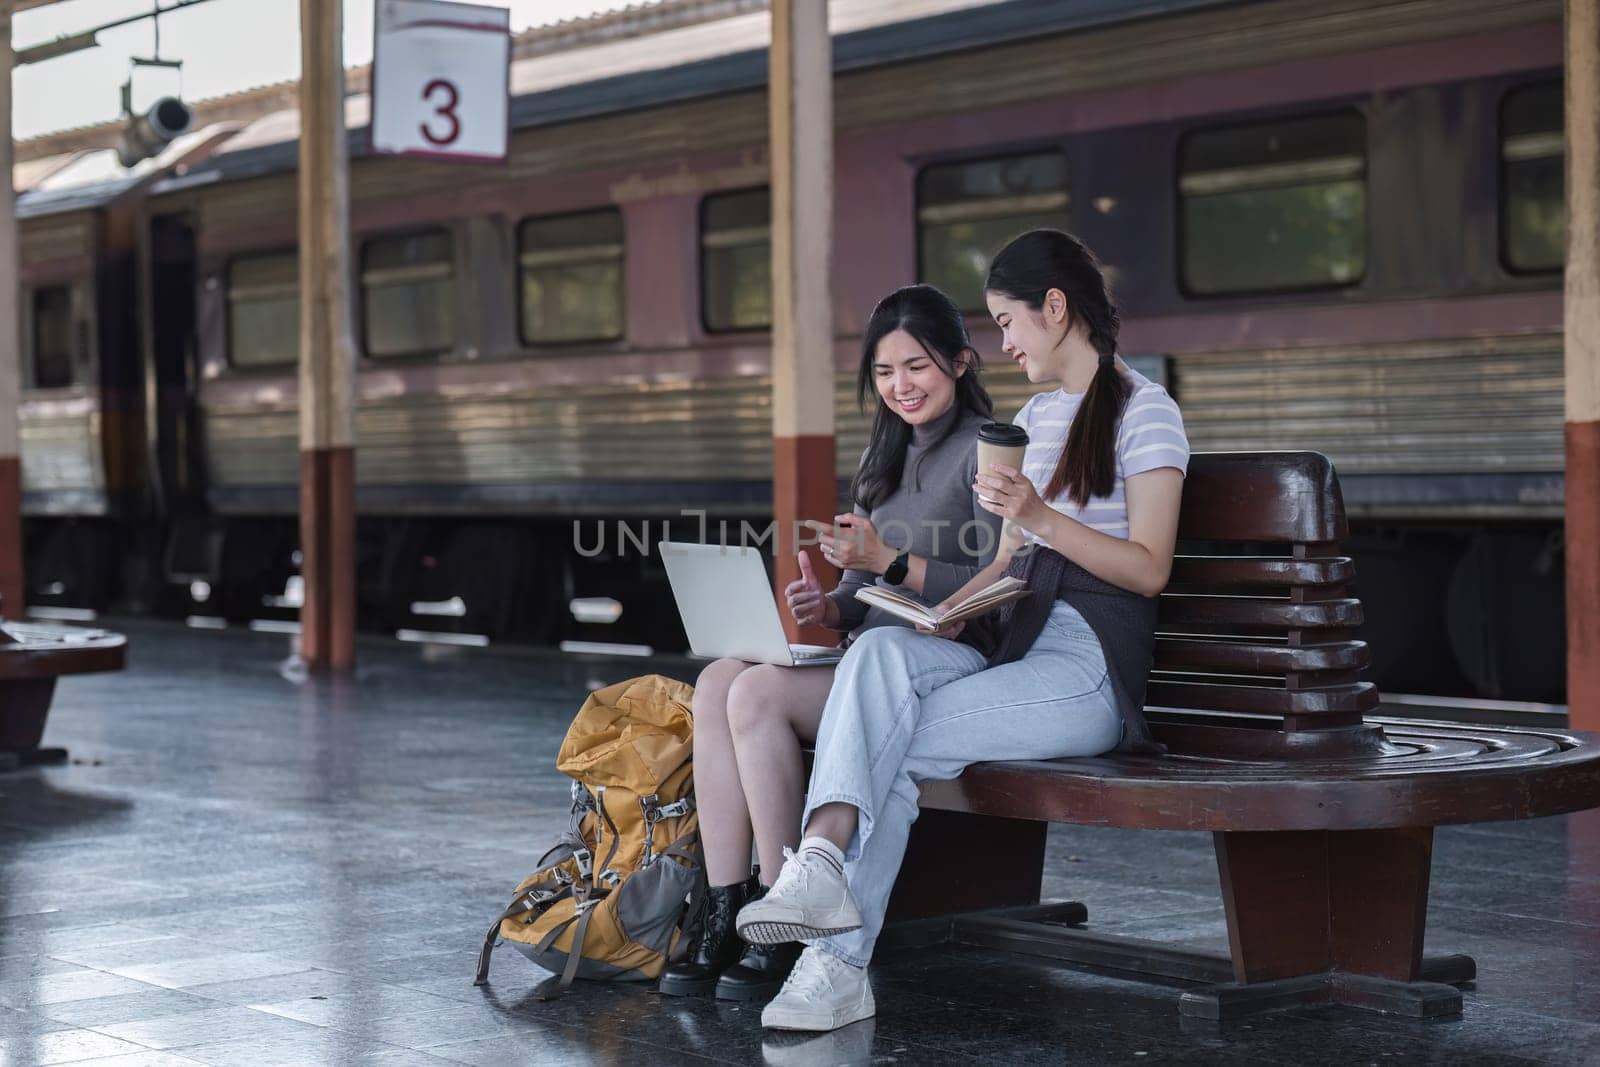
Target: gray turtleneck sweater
(935,514)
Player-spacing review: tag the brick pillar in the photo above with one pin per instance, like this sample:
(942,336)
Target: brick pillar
(11,584)
(327,368)
(801,130)
(1582,344)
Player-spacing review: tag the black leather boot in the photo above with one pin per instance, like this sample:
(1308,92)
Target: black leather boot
(719,946)
(760,972)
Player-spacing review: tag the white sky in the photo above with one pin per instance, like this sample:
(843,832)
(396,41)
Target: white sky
(225,45)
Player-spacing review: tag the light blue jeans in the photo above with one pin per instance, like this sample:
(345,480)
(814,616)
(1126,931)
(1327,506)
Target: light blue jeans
(906,707)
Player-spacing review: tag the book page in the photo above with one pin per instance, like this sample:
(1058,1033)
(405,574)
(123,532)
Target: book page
(974,606)
(992,592)
(895,604)
(984,600)
(882,596)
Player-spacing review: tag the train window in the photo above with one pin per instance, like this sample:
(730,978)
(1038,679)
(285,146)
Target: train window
(736,260)
(408,299)
(264,310)
(52,337)
(1533,155)
(1274,206)
(570,268)
(966,212)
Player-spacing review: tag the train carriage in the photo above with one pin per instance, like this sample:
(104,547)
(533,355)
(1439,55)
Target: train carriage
(81,433)
(1332,225)
(92,527)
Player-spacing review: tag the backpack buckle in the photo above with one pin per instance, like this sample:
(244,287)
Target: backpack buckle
(654,811)
(651,807)
(585,860)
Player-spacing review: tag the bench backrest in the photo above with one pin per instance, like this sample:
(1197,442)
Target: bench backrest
(1255,627)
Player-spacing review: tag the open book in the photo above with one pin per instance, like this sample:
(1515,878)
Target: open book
(982,602)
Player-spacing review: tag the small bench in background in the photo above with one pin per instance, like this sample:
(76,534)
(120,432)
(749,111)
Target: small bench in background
(1322,818)
(32,657)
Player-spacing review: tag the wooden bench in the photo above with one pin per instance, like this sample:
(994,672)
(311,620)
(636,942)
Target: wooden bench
(1322,818)
(32,657)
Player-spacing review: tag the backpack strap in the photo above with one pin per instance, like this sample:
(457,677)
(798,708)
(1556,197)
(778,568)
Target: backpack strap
(690,924)
(484,953)
(554,987)
(571,844)
(616,837)
(527,901)
(687,849)
(556,931)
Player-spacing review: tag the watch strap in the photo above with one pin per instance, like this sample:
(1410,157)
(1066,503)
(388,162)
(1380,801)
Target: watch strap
(897,570)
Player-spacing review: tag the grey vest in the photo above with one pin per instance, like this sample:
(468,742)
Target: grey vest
(1125,623)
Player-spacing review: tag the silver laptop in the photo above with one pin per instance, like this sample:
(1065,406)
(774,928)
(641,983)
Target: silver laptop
(728,609)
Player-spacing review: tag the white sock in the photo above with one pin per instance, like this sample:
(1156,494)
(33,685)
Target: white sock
(821,846)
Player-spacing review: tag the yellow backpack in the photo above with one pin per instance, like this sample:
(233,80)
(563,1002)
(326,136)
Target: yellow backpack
(617,895)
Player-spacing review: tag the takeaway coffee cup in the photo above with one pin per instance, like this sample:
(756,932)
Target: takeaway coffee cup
(1000,442)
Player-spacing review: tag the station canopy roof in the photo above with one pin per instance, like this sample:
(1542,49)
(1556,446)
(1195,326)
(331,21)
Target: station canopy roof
(618,61)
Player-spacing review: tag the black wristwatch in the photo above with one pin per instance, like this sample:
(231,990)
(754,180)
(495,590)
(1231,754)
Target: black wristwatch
(898,569)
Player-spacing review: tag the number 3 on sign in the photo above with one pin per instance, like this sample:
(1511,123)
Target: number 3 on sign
(446,111)
(441,79)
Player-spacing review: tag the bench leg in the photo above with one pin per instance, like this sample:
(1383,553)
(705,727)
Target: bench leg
(957,862)
(1336,916)
(23,708)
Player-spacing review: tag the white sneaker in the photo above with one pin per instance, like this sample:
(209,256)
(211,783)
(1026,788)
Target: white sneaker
(823,992)
(809,900)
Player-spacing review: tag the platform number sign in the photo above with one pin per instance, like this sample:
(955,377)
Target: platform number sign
(440,79)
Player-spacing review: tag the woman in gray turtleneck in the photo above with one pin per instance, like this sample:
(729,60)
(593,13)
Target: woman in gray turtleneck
(916,527)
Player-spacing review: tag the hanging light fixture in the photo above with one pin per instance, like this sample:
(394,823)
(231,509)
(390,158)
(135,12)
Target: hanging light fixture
(146,135)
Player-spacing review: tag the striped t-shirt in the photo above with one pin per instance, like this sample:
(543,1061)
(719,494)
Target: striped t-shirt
(1149,436)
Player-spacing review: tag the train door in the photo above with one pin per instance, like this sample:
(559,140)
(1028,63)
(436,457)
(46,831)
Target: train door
(189,544)
(174,452)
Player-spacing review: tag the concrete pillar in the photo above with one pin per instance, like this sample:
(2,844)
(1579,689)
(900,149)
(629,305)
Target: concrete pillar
(804,485)
(11,586)
(1582,343)
(327,367)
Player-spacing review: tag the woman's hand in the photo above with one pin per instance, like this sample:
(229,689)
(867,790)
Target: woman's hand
(807,602)
(948,632)
(1005,492)
(852,543)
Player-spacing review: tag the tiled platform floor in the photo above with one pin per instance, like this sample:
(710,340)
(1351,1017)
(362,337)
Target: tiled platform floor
(239,868)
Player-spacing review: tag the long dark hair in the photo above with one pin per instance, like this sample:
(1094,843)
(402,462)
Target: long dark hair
(1026,270)
(934,321)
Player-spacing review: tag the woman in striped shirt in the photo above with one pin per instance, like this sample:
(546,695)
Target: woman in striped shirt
(1091,521)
